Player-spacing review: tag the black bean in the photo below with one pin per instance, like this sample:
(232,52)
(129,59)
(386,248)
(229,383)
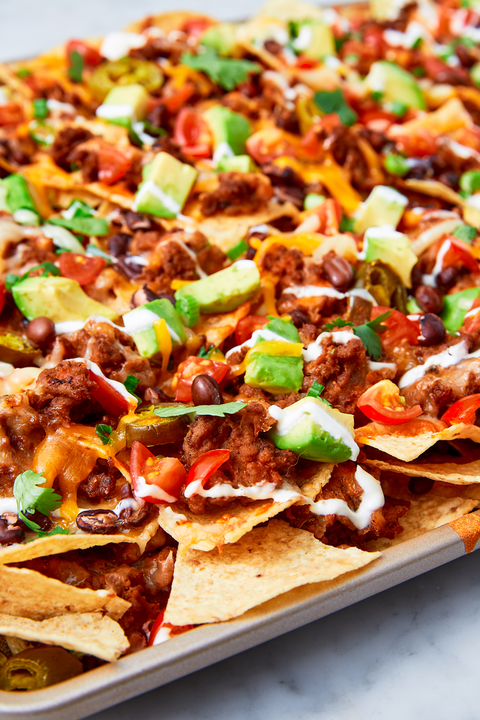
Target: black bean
(338,272)
(10,534)
(137,221)
(299,318)
(130,268)
(41,331)
(272,46)
(142,296)
(118,244)
(433,330)
(448,277)
(98,522)
(429,299)
(206,391)
(416,276)
(419,485)
(42,520)
(129,517)
(250,254)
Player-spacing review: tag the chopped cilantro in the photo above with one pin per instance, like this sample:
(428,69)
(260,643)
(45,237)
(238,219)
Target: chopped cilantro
(31,497)
(347,224)
(23,73)
(226,72)
(40,109)
(76,67)
(58,530)
(83,225)
(334,102)
(365,332)
(467,233)
(216,410)
(104,432)
(337,323)
(204,352)
(398,108)
(131,385)
(377,95)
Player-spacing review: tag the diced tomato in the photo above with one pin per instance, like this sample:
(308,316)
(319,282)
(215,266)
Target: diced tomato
(472,322)
(108,397)
(196,27)
(192,134)
(175,100)
(155,628)
(269,143)
(2,297)
(382,403)
(371,115)
(81,268)
(417,144)
(155,475)
(456,252)
(11,114)
(247,326)
(306,62)
(188,371)
(463,411)
(112,165)
(399,328)
(330,215)
(89,55)
(204,467)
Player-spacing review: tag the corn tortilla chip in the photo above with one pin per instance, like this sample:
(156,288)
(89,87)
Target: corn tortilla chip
(218,527)
(269,561)
(90,633)
(27,593)
(167,21)
(217,328)
(392,441)
(455,473)
(317,482)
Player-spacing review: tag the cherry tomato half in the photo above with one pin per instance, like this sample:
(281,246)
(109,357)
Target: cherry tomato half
(456,252)
(399,328)
(204,467)
(155,628)
(247,326)
(188,371)
(108,397)
(192,134)
(89,55)
(382,403)
(81,268)
(463,411)
(159,475)
(112,165)
(11,114)
(196,27)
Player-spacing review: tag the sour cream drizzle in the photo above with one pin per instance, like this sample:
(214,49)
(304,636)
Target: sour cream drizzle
(451,356)
(372,499)
(339,337)
(306,291)
(142,319)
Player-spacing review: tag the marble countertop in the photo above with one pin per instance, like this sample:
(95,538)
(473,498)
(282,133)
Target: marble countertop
(409,652)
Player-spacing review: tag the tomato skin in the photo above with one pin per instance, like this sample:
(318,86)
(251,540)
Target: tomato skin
(196,27)
(247,326)
(112,165)
(381,403)
(166,473)
(463,411)
(472,323)
(418,144)
(330,216)
(188,371)
(11,114)
(108,397)
(399,328)
(175,100)
(81,268)
(458,253)
(204,467)
(89,55)
(155,628)
(192,134)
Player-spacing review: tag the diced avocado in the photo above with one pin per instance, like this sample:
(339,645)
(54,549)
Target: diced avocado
(224,290)
(139,324)
(222,38)
(314,431)
(475,73)
(228,127)
(124,105)
(456,306)
(237,163)
(57,298)
(275,374)
(284,328)
(17,350)
(393,248)
(313,200)
(384,206)
(167,183)
(314,39)
(18,195)
(395,84)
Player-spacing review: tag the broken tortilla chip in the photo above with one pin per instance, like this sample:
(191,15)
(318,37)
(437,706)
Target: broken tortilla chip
(318,481)
(90,633)
(455,473)
(392,440)
(269,561)
(217,328)
(217,527)
(27,593)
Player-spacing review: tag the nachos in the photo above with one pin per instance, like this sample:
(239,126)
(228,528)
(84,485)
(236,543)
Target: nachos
(239,316)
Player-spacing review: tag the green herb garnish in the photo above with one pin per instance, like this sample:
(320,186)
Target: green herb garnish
(215,410)
(83,225)
(131,385)
(76,67)
(31,497)
(334,102)
(104,432)
(226,72)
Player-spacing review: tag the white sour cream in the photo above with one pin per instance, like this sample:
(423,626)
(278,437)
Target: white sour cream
(141,319)
(8,505)
(451,356)
(339,337)
(258,336)
(145,489)
(116,45)
(266,491)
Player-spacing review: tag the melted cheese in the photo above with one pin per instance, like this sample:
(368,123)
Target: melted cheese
(451,356)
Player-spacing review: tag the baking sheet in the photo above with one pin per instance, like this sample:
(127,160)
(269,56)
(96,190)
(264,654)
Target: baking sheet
(153,667)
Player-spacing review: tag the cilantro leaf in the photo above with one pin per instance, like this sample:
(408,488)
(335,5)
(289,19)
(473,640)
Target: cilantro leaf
(467,233)
(316,390)
(226,72)
(76,67)
(58,530)
(375,324)
(104,432)
(337,323)
(131,385)
(83,225)
(40,109)
(47,267)
(204,351)
(369,337)
(31,497)
(216,410)
(334,102)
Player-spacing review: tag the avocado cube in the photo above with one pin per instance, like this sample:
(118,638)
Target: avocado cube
(224,290)
(229,129)
(315,39)
(124,105)
(57,298)
(395,84)
(167,184)
(237,163)
(221,38)
(18,195)
(456,306)
(139,324)
(393,248)
(315,431)
(276,374)
(384,206)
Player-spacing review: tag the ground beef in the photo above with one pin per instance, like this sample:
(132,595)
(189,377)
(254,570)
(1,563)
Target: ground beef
(287,185)
(17,150)
(343,370)
(65,141)
(100,484)
(165,144)
(237,194)
(240,103)
(144,241)
(161,47)
(286,264)
(253,459)
(20,433)
(338,530)
(84,156)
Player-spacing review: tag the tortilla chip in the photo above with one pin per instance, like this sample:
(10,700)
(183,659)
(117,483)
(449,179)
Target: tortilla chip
(289,10)
(318,481)
(167,21)
(217,527)
(90,633)
(217,328)
(394,442)
(269,561)
(27,593)
(55,544)
(454,473)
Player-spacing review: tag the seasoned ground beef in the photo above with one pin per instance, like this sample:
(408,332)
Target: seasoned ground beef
(253,459)
(20,433)
(237,194)
(286,264)
(65,141)
(100,483)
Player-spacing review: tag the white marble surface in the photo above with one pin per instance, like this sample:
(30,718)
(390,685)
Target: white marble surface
(408,653)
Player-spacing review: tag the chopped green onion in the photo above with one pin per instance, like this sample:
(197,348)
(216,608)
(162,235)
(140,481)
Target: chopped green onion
(63,238)
(40,109)
(377,95)
(237,250)
(83,225)
(189,310)
(398,108)
(470,181)
(347,224)
(316,390)
(76,67)
(94,250)
(396,164)
(23,73)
